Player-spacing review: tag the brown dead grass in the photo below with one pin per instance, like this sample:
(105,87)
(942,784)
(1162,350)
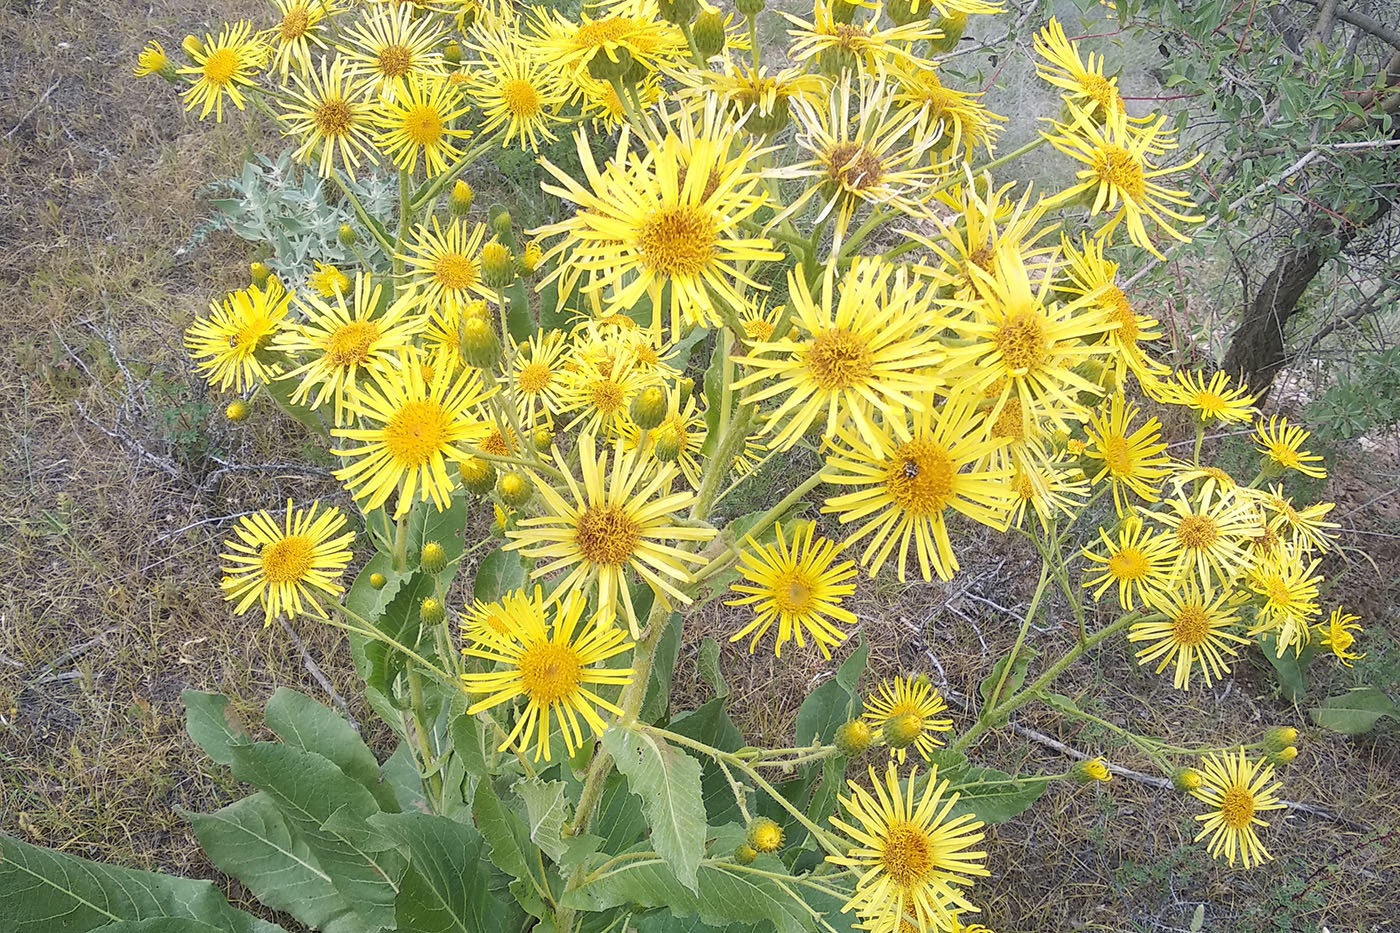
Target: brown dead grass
(117,477)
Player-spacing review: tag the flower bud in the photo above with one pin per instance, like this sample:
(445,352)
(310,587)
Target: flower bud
(497,265)
(677,12)
(501,223)
(842,11)
(461,198)
(901,731)
(346,235)
(904,12)
(744,854)
(765,835)
(1283,755)
(192,46)
(952,28)
(649,408)
(1187,779)
(853,738)
(259,272)
(377,581)
(476,310)
(431,610)
(237,410)
(709,33)
(499,521)
(542,437)
(603,66)
(1087,772)
(530,258)
(452,52)
(478,475)
(1277,737)
(514,488)
(749,8)
(479,344)
(684,386)
(432,558)
(667,445)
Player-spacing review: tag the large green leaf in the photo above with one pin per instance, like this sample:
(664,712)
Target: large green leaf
(281,390)
(309,790)
(449,882)
(657,702)
(1355,711)
(662,921)
(162,925)
(668,781)
(447,527)
(44,891)
(711,724)
(546,810)
(303,723)
(707,660)
(993,796)
(250,839)
(619,819)
(829,706)
(509,838)
(209,723)
(362,598)
(498,573)
(401,622)
(1289,667)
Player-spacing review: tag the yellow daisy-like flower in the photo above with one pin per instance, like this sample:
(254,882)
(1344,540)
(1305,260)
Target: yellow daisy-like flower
(866,346)
(298,29)
(759,102)
(1282,445)
(1120,176)
(388,48)
(152,60)
(1049,487)
(1305,528)
(905,487)
(556,667)
(331,118)
(419,122)
(600,391)
(444,268)
(284,565)
(223,66)
(682,431)
(328,281)
(904,712)
(1236,790)
(537,376)
(800,586)
(231,347)
(1210,529)
(417,424)
(957,118)
(912,856)
(1133,460)
(1289,588)
(615,523)
(847,45)
(600,104)
(484,620)
(632,36)
(1086,84)
(513,89)
(341,342)
(1089,273)
(1211,399)
(671,219)
(1198,632)
(1140,562)
(1336,635)
(1017,338)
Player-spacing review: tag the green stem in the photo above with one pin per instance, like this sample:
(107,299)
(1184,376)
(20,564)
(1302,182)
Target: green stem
(753,43)
(1020,640)
(435,187)
(401,544)
(375,228)
(372,633)
(425,745)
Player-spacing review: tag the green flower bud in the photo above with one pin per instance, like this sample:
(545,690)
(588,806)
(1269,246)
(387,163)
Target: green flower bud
(377,581)
(479,344)
(1283,755)
(765,835)
(431,610)
(649,408)
(461,198)
(478,475)
(452,52)
(603,67)
(684,386)
(842,11)
(542,437)
(708,33)
(346,235)
(667,446)
(515,488)
(432,558)
(1277,737)
(853,738)
(237,410)
(744,854)
(901,731)
(1187,779)
(677,12)
(952,28)
(834,62)
(260,273)
(501,223)
(749,8)
(904,12)
(1087,772)
(530,258)
(497,265)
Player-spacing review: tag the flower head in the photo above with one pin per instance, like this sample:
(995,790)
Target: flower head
(419,121)
(232,346)
(283,565)
(223,67)
(799,585)
(1142,563)
(1282,445)
(1197,632)
(329,115)
(1336,634)
(904,712)
(1236,790)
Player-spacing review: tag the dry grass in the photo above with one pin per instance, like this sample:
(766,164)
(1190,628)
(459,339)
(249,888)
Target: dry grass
(117,477)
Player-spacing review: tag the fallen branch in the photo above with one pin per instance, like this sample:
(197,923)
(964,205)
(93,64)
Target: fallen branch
(315,670)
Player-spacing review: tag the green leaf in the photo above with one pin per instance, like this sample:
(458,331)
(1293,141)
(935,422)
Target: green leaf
(448,885)
(657,702)
(546,811)
(498,573)
(518,320)
(505,832)
(662,921)
(993,796)
(711,724)
(711,386)
(708,662)
(400,772)
(281,391)
(210,724)
(308,790)
(162,925)
(44,891)
(447,528)
(829,706)
(1289,667)
(668,781)
(363,599)
(1013,681)
(400,621)
(1355,711)
(303,723)
(1060,702)
(619,818)
(251,840)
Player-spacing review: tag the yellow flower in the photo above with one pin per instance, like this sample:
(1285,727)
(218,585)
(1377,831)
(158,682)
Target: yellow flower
(1282,444)
(343,342)
(1336,635)
(1120,177)
(800,586)
(758,102)
(1211,400)
(388,49)
(537,376)
(912,857)
(418,121)
(1289,588)
(957,118)
(846,45)
(904,712)
(671,219)
(1210,529)
(615,523)
(224,66)
(1087,85)
(328,281)
(445,268)
(1305,528)
(1089,273)
(152,60)
(1141,563)
(615,39)
(331,118)
(494,618)
(866,347)
(556,667)
(600,391)
(1197,632)
(1048,486)
(1133,460)
(231,347)
(298,29)
(1236,790)
(283,565)
(905,487)
(417,424)
(513,89)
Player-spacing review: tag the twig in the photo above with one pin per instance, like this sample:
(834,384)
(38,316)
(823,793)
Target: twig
(315,670)
(1043,739)
(37,104)
(48,674)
